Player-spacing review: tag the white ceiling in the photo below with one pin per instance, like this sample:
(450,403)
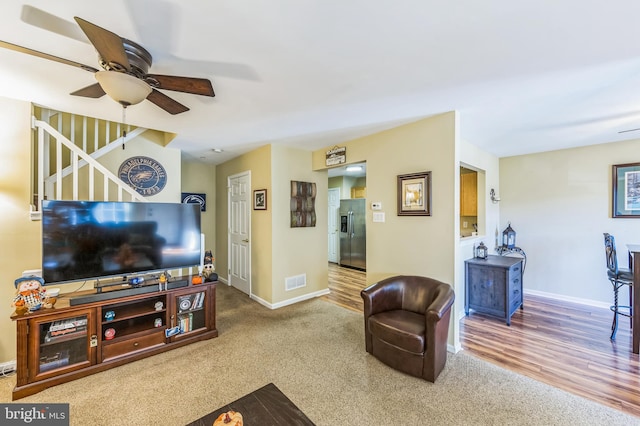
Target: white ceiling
(526,76)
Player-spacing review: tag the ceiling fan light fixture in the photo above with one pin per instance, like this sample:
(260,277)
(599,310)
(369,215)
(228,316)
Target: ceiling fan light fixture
(123,88)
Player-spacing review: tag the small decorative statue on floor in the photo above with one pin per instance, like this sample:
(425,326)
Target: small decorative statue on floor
(30,294)
(208,271)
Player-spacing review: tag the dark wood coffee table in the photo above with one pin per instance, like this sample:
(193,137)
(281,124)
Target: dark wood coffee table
(267,406)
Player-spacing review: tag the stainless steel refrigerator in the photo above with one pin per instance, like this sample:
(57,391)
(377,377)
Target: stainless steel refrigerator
(353,237)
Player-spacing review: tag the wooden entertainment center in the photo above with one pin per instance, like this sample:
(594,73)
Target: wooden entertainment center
(85,334)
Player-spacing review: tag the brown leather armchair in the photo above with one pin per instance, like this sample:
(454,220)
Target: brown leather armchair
(406,323)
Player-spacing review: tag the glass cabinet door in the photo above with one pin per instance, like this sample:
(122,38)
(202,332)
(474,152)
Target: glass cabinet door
(189,313)
(62,343)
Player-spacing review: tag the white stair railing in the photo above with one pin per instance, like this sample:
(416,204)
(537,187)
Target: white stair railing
(98,153)
(51,187)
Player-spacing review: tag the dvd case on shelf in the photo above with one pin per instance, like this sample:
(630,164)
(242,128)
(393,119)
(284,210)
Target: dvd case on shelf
(190,302)
(66,327)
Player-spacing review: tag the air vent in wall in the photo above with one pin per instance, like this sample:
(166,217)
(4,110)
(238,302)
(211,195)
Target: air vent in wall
(297,281)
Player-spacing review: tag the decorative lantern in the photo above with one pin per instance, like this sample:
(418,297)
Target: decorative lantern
(509,237)
(482,251)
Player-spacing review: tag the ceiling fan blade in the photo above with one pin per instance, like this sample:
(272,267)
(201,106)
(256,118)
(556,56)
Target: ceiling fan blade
(93,91)
(109,45)
(166,103)
(196,86)
(32,52)
(629,130)
(45,20)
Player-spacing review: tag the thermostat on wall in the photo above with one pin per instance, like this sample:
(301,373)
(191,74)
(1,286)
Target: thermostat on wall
(376,205)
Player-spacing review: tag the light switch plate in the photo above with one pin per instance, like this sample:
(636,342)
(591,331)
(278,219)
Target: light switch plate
(378,216)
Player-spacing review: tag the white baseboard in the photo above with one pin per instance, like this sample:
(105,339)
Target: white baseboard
(563,298)
(290,301)
(454,348)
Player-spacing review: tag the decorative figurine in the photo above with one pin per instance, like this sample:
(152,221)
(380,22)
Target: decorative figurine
(208,272)
(109,315)
(30,294)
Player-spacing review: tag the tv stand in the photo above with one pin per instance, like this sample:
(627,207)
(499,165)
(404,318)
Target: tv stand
(70,341)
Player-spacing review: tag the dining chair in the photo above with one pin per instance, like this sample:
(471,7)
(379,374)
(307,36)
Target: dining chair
(619,277)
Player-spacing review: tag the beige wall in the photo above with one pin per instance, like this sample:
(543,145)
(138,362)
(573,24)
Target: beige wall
(337,182)
(21,238)
(258,162)
(297,251)
(277,251)
(201,178)
(409,245)
(559,204)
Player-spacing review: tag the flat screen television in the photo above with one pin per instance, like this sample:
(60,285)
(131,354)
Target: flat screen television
(97,239)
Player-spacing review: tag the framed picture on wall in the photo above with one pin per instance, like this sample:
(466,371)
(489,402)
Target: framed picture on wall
(626,190)
(414,194)
(260,199)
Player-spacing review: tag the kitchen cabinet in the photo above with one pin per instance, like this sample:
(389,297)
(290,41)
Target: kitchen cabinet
(469,194)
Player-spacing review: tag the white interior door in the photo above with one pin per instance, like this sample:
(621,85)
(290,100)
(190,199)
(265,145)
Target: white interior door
(239,230)
(334,205)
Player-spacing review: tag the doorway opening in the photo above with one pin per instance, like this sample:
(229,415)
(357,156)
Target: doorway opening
(347,215)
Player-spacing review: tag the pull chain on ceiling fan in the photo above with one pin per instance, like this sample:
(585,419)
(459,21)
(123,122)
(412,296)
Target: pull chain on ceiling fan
(124,125)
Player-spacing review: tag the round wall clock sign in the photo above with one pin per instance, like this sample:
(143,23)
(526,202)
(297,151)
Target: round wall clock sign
(143,174)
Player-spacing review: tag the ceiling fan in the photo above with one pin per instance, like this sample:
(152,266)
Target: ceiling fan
(124,77)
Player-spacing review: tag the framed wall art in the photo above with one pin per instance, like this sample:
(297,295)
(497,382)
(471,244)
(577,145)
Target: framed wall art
(625,193)
(260,199)
(195,198)
(414,194)
(303,204)
(144,174)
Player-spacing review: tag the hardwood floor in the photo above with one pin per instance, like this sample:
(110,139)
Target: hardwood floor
(562,344)
(345,285)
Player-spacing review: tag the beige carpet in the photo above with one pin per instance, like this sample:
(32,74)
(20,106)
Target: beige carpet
(314,352)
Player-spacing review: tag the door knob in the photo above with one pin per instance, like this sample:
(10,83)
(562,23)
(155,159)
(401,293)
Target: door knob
(245,240)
